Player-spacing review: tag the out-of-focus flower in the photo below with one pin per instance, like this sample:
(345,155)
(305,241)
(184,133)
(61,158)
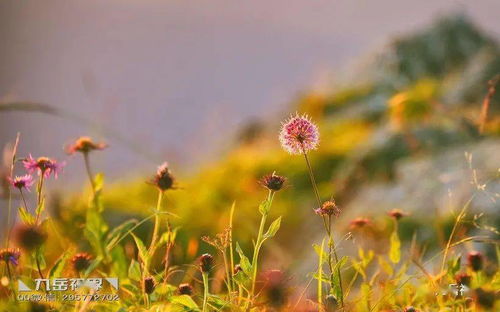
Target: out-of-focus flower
(397,214)
(206,262)
(275,288)
(359,222)
(463,279)
(273,182)
(43,166)
(327,209)
(237,268)
(299,135)
(20,182)
(410,309)
(10,255)
(164,179)
(29,237)
(475,260)
(81,261)
(149,285)
(185,289)
(331,303)
(84,145)
(486,299)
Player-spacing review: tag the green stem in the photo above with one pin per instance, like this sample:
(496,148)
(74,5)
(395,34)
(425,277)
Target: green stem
(228,274)
(205,291)
(156,228)
(258,244)
(89,172)
(24,200)
(39,200)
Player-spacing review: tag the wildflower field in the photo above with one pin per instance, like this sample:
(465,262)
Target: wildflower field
(382,195)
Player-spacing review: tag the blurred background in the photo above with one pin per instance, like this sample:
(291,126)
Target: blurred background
(395,86)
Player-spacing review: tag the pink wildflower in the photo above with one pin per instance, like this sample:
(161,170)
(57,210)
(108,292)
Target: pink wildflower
(20,182)
(299,135)
(43,166)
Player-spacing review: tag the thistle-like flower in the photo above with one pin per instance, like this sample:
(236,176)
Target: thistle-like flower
(273,182)
(206,263)
(149,285)
(327,209)
(299,135)
(475,260)
(359,222)
(81,261)
(22,182)
(10,255)
(43,166)
(164,179)
(84,145)
(185,289)
(29,237)
(397,214)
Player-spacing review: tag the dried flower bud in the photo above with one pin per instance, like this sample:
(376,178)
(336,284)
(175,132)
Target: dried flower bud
(463,279)
(206,263)
(29,237)
(185,289)
(359,222)
(486,299)
(331,303)
(397,214)
(273,182)
(10,255)
(410,309)
(327,209)
(237,268)
(84,145)
(81,261)
(163,179)
(475,260)
(148,285)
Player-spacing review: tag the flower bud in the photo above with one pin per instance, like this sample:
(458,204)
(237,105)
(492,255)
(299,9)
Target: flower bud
(81,261)
(149,285)
(185,289)
(273,182)
(475,260)
(206,263)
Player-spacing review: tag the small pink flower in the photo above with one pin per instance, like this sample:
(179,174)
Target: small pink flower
(84,145)
(299,135)
(20,182)
(359,223)
(43,166)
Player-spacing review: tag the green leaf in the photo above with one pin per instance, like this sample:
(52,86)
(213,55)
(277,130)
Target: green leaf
(25,216)
(58,266)
(273,228)
(185,301)
(40,208)
(264,207)
(386,266)
(118,232)
(245,264)
(395,249)
(453,266)
(119,263)
(143,252)
(134,271)
(99,182)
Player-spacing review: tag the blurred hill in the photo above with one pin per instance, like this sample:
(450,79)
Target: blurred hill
(394,137)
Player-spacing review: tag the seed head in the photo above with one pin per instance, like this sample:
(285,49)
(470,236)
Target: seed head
(43,166)
(299,135)
(149,285)
(29,237)
(185,289)
(163,179)
(397,214)
(206,263)
(475,260)
(10,255)
(84,145)
(22,182)
(273,182)
(327,209)
(81,261)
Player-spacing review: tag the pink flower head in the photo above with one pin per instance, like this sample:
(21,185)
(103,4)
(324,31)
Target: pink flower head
(359,223)
(20,182)
(299,135)
(43,166)
(84,145)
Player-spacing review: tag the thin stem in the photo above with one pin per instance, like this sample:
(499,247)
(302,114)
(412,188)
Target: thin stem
(258,244)
(167,252)
(24,200)
(205,291)
(11,173)
(228,274)
(313,180)
(39,200)
(156,228)
(231,253)
(89,172)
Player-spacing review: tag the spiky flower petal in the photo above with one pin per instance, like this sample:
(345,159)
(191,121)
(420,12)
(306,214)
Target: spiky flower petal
(273,182)
(299,135)
(327,209)
(43,166)
(22,182)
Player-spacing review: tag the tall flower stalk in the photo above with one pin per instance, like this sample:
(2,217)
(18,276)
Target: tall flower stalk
(299,135)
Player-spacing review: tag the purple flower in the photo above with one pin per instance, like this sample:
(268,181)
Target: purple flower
(10,255)
(299,135)
(20,182)
(43,166)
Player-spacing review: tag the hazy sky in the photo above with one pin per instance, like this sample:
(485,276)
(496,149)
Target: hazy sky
(179,77)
